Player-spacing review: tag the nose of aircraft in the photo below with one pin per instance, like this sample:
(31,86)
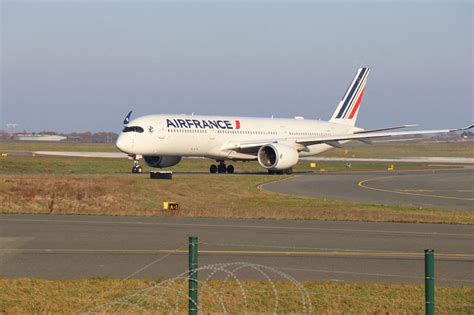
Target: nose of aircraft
(124,143)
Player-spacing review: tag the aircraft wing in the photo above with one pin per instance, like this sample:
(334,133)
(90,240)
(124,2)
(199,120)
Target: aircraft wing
(385,129)
(333,140)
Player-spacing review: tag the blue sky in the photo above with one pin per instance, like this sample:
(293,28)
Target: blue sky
(81,65)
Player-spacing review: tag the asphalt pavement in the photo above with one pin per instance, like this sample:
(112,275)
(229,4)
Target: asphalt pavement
(451,189)
(66,247)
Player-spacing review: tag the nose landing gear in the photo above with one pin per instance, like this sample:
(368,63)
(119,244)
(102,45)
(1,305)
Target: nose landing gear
(136,169)
(221,168)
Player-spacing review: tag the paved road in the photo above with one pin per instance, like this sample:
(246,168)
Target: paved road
(62,247)
(447,189)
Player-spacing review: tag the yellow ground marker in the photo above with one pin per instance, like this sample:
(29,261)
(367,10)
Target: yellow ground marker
(170,205)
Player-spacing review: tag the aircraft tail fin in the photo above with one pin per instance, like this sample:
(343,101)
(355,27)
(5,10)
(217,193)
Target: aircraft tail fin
(348,108)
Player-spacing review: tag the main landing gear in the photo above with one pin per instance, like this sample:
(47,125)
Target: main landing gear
(136,169)
(221,168)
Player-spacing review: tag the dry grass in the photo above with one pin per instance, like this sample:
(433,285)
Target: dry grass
(198,195)
(28,296)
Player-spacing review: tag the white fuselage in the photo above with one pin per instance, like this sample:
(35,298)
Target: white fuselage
(210,136)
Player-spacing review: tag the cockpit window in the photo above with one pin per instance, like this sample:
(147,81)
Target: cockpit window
(133,129)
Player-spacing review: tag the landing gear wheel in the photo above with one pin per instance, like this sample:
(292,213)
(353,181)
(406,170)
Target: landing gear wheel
(289,171)
(230,169)
(221,168)
(271,172)
(213,169)
(137,169)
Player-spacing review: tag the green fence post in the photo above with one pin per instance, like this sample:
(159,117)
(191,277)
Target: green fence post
(429,282)
(193,276)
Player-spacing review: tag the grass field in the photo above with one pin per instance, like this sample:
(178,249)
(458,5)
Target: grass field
(408,149)
(68,185)
(27,296)
(198,195)
(57,146)
(22,164)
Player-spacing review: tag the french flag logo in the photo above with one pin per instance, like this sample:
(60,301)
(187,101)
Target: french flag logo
(353,96)
(237,124)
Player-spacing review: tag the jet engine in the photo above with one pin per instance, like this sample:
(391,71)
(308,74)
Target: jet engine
(161,161)
(277,156)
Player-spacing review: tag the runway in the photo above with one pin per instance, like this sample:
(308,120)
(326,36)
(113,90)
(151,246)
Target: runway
(65,247)
(443,189)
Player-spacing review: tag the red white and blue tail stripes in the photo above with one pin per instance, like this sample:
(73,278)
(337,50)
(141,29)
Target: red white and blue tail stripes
(350,103)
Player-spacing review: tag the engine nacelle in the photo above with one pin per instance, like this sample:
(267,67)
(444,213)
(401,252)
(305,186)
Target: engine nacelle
(277,156)
(161,161)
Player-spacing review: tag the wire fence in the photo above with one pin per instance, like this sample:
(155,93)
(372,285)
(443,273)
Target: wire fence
(223,288)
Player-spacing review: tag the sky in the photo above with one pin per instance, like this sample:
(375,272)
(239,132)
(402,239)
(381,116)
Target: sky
(82,65)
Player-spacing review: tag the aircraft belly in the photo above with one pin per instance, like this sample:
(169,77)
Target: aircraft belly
(315,149)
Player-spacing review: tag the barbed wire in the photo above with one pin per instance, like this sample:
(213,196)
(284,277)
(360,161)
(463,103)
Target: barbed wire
(443,279)
(230,270)
(156,295)
(134,273)
(373,274)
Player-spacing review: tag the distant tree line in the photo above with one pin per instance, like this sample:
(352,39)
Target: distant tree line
(111,137)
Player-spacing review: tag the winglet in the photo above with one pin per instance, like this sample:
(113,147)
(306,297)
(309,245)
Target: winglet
(461,129)
(127,118)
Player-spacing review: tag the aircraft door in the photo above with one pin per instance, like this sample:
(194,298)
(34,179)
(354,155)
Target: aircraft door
(212,134)
(161,130)
(284,131)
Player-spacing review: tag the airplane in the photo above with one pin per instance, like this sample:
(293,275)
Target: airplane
(277,144)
